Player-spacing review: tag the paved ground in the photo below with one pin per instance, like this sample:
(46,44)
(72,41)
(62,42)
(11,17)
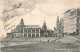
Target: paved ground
(44,47)
(23,41)
(54,46)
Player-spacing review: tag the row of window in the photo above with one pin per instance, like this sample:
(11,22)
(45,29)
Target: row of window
(33,30)
(33,34)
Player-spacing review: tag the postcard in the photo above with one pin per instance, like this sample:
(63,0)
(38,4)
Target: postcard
(39,26)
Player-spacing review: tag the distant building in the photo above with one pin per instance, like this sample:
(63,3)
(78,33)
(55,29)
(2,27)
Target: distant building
(59,29)
(61,26)
(51,33)
(72,22)
(44,29)
(57,26)
(25,31)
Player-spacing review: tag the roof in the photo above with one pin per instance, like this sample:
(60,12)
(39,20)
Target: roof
(70,10)
(31,26)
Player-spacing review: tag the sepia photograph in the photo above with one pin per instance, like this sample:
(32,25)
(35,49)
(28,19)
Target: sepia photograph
(39,25)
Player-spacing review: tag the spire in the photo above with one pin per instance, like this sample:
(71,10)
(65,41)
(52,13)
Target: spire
(44,22)
(44,27)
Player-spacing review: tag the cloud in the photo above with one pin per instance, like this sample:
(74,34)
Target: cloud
(27,7)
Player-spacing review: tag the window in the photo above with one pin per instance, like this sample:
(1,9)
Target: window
(33,30)
(29,30)
(37,30)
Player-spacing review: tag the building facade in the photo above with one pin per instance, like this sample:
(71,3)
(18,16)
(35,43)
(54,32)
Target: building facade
(72,21)
(32,31)
(25,31)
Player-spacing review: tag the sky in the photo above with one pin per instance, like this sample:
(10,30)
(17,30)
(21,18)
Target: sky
(34,12)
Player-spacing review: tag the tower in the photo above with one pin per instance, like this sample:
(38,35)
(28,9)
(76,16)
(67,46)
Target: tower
(58,26)
(44,27)
(22,27)
(57,22)
(78,22)
(22,22)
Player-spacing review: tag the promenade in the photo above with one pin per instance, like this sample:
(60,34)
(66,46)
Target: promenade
(64,44)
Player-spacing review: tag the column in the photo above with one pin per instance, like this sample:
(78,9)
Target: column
(31,33)
(27,33)
(23,32)
(35,32)
(39,32)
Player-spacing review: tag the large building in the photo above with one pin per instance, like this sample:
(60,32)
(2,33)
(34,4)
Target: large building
(72,21)
(32,31)
(25,31)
